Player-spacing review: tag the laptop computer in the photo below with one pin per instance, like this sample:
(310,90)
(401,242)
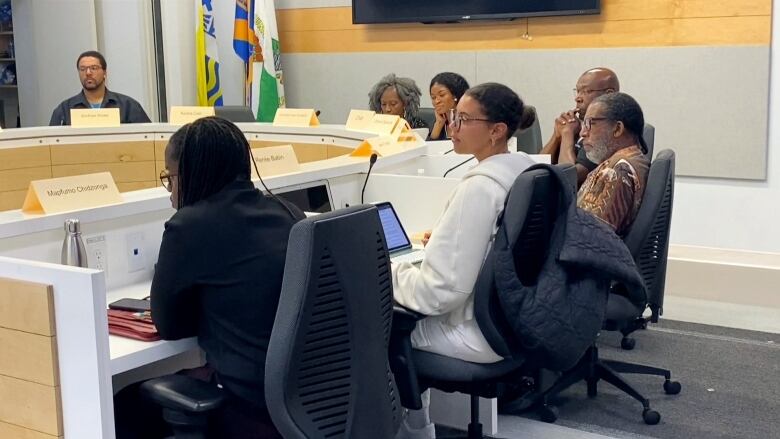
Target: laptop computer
(398,244)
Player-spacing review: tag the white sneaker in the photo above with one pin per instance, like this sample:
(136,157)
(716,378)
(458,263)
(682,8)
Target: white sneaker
(406,432)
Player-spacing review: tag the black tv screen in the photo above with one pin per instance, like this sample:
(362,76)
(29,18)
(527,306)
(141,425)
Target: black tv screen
(438,11)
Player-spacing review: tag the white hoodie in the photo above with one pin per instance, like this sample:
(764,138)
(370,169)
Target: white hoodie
(442,285)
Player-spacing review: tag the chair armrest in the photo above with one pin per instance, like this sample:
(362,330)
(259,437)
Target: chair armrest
(182,393)
(404,319)
(400,356)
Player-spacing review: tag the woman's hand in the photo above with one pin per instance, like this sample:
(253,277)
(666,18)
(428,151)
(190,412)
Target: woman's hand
(439,125)
(426,237)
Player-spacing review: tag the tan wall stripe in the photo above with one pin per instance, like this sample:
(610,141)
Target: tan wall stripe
(622,23)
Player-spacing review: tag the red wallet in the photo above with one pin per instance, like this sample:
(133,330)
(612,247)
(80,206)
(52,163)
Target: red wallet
(130,324)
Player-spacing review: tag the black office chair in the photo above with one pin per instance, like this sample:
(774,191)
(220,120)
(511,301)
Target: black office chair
(529,140)
(648,133)
(417,371)
(428,115)
(648,242)
(327,373)
(235,113)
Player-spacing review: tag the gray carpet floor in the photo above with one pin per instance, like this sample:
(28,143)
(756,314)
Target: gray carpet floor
(730,385)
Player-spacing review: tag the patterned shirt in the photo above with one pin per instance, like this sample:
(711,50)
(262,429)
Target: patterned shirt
(613,191)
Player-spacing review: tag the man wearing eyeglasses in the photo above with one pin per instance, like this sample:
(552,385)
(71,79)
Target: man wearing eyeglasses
(612,138)
(91,66)
(562,145)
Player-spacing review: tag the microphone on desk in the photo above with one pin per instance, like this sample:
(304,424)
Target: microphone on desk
(457,166)
(371,162)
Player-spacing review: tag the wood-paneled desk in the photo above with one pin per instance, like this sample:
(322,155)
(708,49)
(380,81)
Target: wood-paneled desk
(134,154)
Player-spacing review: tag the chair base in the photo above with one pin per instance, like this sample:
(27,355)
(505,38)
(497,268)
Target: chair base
(591,369)
(475,427)
(186,425)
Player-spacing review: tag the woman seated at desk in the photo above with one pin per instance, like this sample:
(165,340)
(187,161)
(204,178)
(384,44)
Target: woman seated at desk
(445,89)
(398,96)
(441,287)
(219,272)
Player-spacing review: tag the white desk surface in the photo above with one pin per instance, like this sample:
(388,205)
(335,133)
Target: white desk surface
(126,353)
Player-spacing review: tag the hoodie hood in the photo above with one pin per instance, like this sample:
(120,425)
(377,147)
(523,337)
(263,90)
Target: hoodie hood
(502,168)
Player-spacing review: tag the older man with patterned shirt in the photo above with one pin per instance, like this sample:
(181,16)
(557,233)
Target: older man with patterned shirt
(612,138)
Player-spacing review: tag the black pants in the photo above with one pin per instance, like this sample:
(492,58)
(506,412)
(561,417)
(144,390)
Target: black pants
(138,418)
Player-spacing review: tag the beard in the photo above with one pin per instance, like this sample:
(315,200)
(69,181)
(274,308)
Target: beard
(94,85)
(598,153)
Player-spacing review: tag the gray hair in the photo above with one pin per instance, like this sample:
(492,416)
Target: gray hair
(405,87)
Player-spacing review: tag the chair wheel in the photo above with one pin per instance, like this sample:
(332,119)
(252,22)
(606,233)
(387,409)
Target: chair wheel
(627,343)
(548,414)
(651,417)
(672,387)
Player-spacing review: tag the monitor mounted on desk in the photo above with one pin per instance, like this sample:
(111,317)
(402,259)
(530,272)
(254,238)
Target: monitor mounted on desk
(309,197)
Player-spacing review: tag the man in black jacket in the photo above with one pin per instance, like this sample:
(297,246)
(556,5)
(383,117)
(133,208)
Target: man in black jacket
(93,71)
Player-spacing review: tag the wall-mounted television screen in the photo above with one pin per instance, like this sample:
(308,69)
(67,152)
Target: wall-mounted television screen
(442,11)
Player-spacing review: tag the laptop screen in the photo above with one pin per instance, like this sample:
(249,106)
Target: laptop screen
(394,232)
(308,197)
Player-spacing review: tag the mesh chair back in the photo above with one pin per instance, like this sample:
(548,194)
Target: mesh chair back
(327,373)
(648,238)
(529,140)
(529,215)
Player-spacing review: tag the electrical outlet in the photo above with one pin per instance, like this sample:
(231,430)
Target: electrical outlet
(97,252)
(136,255)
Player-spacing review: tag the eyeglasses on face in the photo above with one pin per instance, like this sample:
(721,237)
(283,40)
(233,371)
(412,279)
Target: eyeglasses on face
(587,123)
(457,119)
(93,69)
(165,179)
(587,91)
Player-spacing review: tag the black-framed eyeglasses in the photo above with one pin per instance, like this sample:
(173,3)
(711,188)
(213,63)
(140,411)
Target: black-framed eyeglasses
(93,69)
(165,179)
(587,91)
(587,123)
(457,119)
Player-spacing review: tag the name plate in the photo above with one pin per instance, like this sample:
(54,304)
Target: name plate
(275,160)
(97,117)
(296,117)
(184,115)
(56,195)
(383,124)
(381,145)
(358,120)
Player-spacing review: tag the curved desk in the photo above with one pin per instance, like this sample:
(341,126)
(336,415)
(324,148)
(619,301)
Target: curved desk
(134,154)
(79,402)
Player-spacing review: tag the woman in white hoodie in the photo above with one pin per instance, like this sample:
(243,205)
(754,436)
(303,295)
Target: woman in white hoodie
(441,287)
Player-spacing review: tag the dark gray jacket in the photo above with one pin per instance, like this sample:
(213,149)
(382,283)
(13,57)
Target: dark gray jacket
(558,318)
(130,111)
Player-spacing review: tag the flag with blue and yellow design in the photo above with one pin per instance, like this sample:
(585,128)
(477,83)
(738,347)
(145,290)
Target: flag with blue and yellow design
(256,42)
(207,56)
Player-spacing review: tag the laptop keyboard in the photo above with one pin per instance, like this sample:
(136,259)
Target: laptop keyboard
(413,257)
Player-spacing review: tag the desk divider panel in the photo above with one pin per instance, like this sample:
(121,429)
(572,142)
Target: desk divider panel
(30,400)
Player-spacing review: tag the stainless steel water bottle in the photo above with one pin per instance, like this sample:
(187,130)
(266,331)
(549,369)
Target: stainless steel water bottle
(73,251)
